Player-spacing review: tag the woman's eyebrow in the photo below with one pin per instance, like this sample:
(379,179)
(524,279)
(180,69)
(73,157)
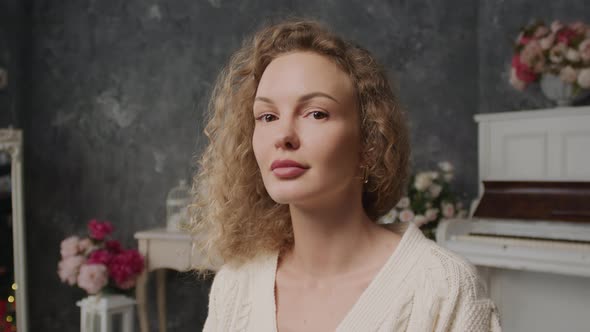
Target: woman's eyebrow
(303,98)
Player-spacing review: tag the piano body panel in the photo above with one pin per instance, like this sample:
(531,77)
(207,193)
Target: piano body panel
(538,285)
(540,302)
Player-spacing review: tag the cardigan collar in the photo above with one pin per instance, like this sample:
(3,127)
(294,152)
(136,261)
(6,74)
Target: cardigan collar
(376,301)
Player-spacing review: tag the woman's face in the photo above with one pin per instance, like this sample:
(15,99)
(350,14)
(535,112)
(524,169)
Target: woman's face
(307,133)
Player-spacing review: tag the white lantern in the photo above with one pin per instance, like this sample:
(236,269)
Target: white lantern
(106,313)
(176,207)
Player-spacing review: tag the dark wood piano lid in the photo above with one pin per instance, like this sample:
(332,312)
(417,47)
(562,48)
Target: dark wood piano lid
(537,200)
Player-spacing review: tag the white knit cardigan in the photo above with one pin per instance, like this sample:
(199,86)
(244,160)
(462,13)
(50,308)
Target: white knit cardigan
(421,287)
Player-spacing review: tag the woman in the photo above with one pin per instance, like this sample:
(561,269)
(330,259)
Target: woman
(308,148)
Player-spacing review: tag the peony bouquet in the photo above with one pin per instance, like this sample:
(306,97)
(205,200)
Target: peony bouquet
(429,198)
(558,49)
(98,263)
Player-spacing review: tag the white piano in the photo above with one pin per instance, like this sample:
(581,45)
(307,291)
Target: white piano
(537,270)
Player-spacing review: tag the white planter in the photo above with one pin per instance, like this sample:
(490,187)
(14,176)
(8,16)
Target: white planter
(559,91)
(106,313)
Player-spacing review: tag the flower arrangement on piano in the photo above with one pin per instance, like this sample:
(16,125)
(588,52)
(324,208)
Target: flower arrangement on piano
(558,49)
(429,198)
(98,263)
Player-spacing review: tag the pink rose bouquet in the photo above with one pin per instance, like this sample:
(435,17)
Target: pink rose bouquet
(98,263)
(559,49)
(429,198)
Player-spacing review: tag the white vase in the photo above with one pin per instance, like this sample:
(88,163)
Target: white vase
(106,313)
(556,89)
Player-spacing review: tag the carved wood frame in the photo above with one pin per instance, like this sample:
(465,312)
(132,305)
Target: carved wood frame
(11,142)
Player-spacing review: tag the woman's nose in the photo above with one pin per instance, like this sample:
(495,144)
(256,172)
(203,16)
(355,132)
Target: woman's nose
(287,137)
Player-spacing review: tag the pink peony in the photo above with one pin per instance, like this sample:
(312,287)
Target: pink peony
(565,35)
(100,256)
(556,26)
(572,55)
(557,53)
(448,210)
(532,56)
(584,78)
(431,214)
(584,49)
(403,203)
(406,215)
(541,31)
(125,267)
(99,230)
(69,246)
(568,74)
(435,190)
(547,41)
(523,72)
(522,39)
(578,27)
(68,268)
(93,277)
(85,245)
(114,246)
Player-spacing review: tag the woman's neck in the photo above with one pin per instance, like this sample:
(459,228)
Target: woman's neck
(334,241)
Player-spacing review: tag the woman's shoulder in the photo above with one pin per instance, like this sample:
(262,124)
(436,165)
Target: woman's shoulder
(449,273)
(235,274)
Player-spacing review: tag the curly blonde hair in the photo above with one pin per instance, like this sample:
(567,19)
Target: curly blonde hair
(231,205)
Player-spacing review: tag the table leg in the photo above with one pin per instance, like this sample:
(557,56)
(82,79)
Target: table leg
(161,296)
(140,294)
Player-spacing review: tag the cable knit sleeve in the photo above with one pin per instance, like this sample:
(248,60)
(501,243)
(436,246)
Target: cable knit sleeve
(467,307)
(213,323)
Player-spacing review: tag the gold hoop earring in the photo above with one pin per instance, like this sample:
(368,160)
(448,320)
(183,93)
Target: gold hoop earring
(365,174)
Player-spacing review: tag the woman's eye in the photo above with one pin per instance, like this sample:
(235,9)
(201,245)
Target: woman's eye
(266,117)
(319,115)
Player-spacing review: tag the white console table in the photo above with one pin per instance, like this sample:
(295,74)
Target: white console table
(162,249)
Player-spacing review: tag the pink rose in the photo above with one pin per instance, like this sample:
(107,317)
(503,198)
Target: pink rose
(547,41)
(568,74)
(540,31)
(572,55)
(584,78)
(85,245)
(92,277)
(584,49)
(114,246)
(523,72)
(557,53)
(565,35)
(515,81)
(522,39)
(406,215)
(100,256)
(435,190)
(556,26)
(448,210)
(532,56)
(68,268)
(578,27)
(69,246)
(431,214)
(99,230)
(125,267)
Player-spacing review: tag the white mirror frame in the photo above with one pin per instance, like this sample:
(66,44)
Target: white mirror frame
(11,142)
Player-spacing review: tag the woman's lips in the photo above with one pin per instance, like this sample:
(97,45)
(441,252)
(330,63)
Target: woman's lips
(288,172)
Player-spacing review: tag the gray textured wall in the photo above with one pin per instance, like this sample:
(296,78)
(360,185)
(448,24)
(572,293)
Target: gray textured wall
(14,59)
(118,89)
